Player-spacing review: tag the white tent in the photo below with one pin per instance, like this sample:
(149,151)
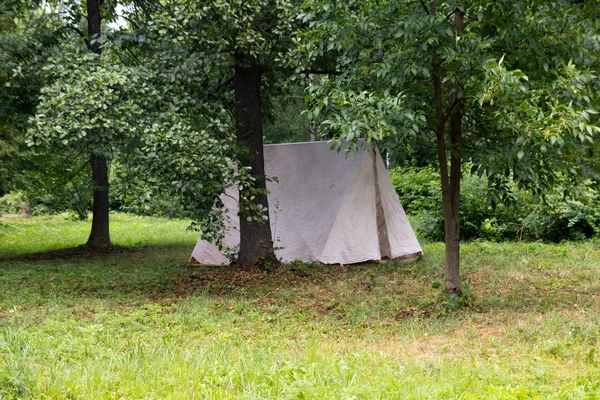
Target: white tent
(326,207)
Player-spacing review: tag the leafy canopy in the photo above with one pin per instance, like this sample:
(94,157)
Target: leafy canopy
(526,72)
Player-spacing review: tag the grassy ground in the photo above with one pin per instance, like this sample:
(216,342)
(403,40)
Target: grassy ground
(136,324)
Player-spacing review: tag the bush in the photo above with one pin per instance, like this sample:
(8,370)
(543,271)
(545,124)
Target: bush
(73,197)
(555,219)
(10,202)
(560,219)
(69,198)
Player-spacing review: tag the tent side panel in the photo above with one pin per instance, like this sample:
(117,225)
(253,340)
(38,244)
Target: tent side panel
(402,238)
(354,236)
(303,204)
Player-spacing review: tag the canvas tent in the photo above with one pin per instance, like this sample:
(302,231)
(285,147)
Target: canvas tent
(326,207)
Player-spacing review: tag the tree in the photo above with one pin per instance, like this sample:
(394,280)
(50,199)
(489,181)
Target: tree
(510,87)
(239,45)
(100,233)
(37,169)
(261,32)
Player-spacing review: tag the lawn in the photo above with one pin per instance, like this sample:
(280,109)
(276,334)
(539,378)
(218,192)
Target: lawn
(136,323)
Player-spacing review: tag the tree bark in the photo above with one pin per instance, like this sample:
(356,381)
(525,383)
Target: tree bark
(100,233)
(450,180)
(312,129)
(94,21)
(256,244)
(452,231)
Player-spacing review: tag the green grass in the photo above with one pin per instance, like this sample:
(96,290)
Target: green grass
(44,233)
(136,324)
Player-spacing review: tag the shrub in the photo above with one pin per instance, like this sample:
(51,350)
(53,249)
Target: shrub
(555,218)
(565,219)
(9,203)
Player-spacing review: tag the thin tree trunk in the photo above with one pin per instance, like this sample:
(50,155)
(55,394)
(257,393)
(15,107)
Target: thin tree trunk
(453,282)
(450,180)
(256,245)
(451,217)
(452,205)
(451,232)
(100,233)
(312,129)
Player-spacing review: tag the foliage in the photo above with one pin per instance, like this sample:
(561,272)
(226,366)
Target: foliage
(303,269)
(124,113)
(529,86)
(9,203)
(27,34)
(555,217)
(565,218)
(289,122)
(192,48)
(131,202)
(135,324)
(95,115)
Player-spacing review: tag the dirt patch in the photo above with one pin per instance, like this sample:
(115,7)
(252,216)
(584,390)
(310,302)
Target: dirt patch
(223,280)
(415,312)
(489,331)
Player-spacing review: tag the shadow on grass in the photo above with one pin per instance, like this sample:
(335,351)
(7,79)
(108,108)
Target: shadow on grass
(149,271)
(158,273)
(182,282)
(82,253)
(70,253)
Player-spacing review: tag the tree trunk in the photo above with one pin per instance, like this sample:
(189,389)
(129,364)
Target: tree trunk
(100,234)
(93,18)
(450,179)
(450,187)
(256,244)
(452,231)
(312,129)
(451,208)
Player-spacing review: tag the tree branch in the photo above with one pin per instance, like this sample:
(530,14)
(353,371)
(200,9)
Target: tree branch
(452,13)
(79,32)
(70,178)
(132,22)
(449,111)
(317,71)
(133,55)
(226,82)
